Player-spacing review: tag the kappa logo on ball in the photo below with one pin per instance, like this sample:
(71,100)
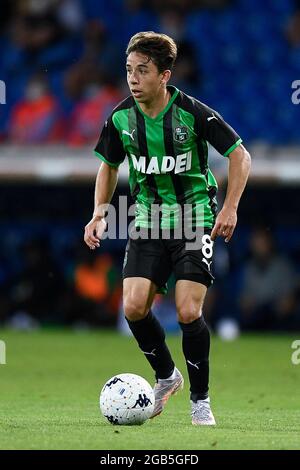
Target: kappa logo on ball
(131,402)
(113,382)
(142,401)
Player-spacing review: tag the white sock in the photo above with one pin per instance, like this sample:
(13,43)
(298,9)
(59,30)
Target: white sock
(172,376)
(207,400)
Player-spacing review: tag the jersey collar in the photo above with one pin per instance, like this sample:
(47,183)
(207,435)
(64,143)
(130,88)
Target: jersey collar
(174,92)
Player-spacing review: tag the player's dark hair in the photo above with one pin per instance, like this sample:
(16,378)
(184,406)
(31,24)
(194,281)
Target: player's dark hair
(160,48)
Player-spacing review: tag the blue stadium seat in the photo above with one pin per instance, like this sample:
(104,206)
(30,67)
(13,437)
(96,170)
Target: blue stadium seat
(60,55)
(143,20)
(242,51)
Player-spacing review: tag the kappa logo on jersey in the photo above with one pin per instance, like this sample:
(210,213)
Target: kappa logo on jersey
(166,164)
(181,134)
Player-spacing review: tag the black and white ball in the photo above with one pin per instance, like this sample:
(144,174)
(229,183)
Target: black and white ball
(127,399)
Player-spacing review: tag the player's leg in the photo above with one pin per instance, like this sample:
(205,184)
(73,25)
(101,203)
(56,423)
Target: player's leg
(138,295)
(191,265)
(189,297)
(147,267)
(146,270)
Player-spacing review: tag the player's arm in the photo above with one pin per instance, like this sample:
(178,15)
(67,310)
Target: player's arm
(239,168)
(105,186)
(110,150)
(228,143)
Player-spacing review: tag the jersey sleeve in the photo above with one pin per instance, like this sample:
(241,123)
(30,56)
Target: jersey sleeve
(109,147)
(217,132)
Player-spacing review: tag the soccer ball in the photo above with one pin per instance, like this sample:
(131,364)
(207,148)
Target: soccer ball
(127,399)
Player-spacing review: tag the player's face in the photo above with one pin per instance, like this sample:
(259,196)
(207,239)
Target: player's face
(143,78)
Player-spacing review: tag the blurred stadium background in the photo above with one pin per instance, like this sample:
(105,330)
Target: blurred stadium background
(62,70)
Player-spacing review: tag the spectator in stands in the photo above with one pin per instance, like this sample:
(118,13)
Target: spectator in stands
(99,97)
(267,298)
(6,15)
(37,290)
(37,117)
(293,27)
(187,74)
(93,84)
(188,5)
(38,24)
(100,54)
(93,298)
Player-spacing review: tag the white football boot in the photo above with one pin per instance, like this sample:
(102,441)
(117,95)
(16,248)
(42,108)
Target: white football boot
(164,388)
(202,414)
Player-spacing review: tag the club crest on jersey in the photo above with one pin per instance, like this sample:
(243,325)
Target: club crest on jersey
(181,134)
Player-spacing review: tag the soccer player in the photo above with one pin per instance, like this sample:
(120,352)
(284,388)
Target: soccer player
(164,134)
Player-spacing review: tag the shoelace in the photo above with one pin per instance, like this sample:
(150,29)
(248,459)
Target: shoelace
(201,410)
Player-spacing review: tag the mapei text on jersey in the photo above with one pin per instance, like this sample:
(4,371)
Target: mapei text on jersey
(166,164)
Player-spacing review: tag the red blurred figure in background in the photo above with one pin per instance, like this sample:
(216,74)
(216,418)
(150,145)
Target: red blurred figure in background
(37,117)
(90,113)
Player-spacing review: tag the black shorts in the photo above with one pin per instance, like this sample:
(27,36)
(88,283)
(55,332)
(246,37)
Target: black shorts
(156,259)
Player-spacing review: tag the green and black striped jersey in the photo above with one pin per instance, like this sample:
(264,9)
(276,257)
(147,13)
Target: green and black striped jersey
(168,158)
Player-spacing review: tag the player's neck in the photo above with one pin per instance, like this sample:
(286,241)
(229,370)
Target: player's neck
(157,105)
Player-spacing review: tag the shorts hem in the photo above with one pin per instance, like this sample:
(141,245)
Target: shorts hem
(201,279)
(161,289)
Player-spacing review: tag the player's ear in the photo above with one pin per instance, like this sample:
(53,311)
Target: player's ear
(166,75)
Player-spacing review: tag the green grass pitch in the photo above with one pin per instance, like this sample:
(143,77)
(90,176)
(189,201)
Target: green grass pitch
(49,391)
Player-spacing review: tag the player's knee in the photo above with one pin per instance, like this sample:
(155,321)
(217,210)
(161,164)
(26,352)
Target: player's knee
(135,309)
(187,313)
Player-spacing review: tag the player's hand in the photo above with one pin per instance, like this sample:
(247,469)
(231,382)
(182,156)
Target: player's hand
(93,232)
(225,224)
